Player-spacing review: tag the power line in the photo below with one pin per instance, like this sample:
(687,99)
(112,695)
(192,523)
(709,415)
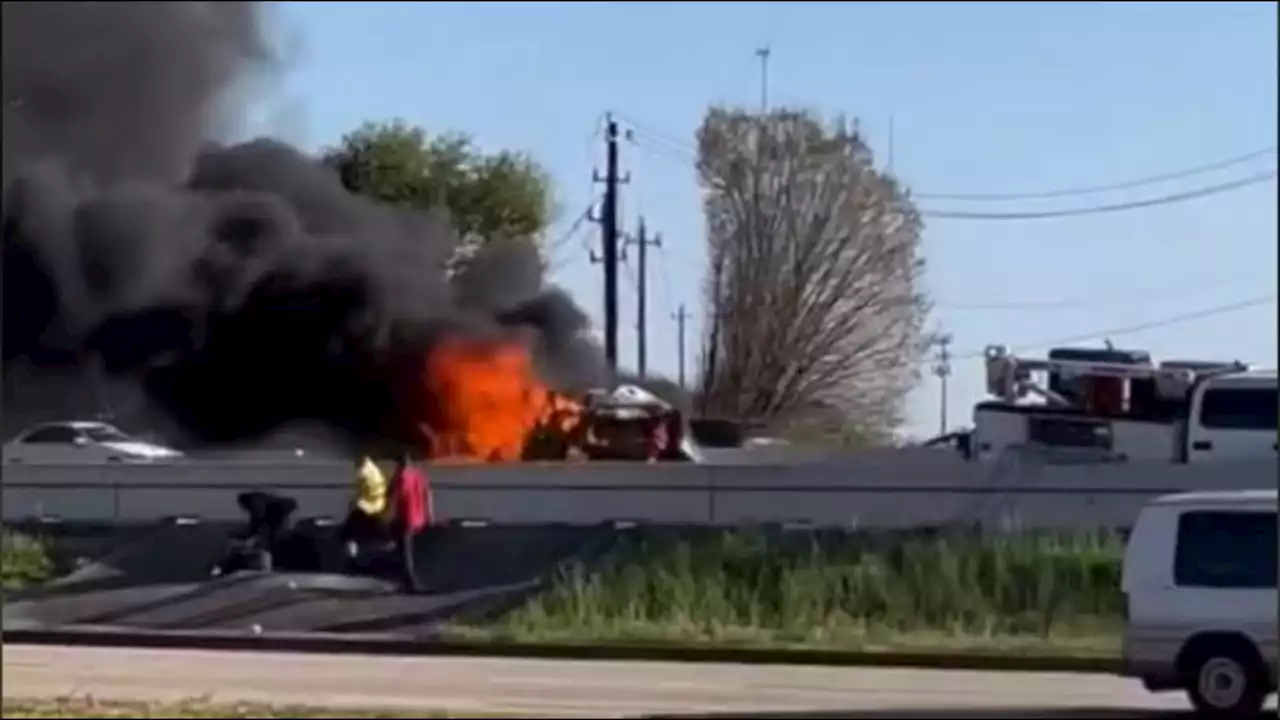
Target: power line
(581,218)
(1099,209)
(597,131)
(656,134)
(1089,190)
(1170,199)
(663,276)
(688,150)
(676,147)
(1102,300)
(670,146)
(560,242)
(1129,329)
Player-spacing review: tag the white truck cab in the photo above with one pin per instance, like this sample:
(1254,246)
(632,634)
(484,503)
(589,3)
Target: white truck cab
(1199,581)
(1233,416)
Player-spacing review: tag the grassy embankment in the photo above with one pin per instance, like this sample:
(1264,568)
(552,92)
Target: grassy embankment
(1051,594)
(1044,593)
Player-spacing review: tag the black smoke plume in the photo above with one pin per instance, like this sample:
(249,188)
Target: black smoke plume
(240,287)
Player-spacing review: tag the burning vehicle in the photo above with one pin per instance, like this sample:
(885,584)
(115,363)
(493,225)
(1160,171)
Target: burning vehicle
(626,424)
(486,403)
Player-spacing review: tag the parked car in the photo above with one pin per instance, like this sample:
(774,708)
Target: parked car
(1200,591)
(82,442)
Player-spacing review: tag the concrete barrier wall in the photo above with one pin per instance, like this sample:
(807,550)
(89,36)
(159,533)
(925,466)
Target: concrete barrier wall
(918,488)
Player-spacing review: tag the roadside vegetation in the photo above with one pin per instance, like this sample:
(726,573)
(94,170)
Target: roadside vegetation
(1046,592)
(24,560)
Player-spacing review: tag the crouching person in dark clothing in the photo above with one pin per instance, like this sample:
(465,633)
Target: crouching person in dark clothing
(266,533)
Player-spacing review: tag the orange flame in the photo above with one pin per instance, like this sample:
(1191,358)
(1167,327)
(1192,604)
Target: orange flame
(486,400)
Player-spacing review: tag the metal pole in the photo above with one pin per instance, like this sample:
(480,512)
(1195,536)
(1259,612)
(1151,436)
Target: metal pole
(680,317)
(763,53)
(942,368)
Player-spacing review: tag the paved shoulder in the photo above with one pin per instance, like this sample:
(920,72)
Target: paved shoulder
(551,688)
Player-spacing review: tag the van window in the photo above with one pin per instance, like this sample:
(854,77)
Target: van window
(1240,408)
(1226,549)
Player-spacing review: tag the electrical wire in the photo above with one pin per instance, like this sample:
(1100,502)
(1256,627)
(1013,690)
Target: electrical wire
(657,135)
(671,147)
(1148,202)
(665,145)
(577,223)
(663,275)
(1162,292)
(1139,327)
(1091,190)
(589,142)
(688,150)
(631,275)
(1170,199)
(560,242)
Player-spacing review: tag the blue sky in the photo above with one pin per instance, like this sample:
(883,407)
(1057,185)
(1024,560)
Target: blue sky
(985,98)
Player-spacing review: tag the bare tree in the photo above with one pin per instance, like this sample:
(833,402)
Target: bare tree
(814,275)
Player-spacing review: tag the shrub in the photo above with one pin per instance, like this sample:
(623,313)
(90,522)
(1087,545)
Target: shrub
(24,560)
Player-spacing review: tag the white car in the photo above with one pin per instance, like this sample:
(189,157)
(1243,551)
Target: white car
(1199,581)
(82,442)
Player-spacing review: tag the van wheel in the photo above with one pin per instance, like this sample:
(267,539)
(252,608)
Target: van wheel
(1225,681)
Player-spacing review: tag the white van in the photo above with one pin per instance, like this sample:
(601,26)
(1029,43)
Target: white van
(1201,599)
(1233,416)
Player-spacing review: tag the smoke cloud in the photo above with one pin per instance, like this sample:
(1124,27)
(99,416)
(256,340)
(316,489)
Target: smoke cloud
(240,287)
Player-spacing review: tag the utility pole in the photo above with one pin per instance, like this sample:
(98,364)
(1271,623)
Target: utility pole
(942,368)
(680,317)
(643,243)
(609,239)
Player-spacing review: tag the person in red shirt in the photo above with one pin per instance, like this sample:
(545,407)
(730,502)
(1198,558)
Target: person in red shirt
(413,513)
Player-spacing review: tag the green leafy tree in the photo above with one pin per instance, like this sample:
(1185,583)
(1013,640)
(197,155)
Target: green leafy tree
(488,195)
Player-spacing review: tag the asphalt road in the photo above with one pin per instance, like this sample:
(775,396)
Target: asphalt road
(567,688)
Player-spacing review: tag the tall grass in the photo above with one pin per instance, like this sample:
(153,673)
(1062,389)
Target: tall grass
(835,588)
